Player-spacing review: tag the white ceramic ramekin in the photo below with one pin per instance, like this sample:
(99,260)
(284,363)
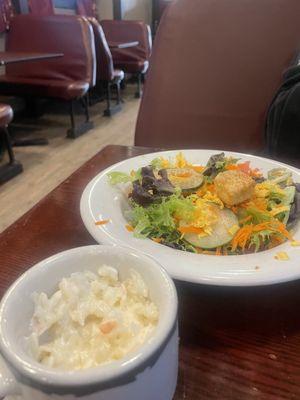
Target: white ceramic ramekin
(150,373)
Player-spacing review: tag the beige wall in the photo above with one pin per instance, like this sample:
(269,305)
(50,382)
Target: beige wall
(105,9)
(137,9)
(133,9)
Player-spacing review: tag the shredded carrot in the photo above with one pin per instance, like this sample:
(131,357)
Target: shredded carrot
(231,167)
(245,167)
(260,203)
(244,204)
(108,326)
(190,229)
(129,228)
(103,222)
(243,235)
(198,168)
(218,251)
(199,250)
(256,173)
(208,187)
(157,240)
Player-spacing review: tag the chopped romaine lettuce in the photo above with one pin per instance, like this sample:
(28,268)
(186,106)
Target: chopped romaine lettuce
(118,177)
(290,192)
(121,177)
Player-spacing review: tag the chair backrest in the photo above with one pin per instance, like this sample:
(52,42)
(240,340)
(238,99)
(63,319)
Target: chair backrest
(41,7)
(67,34)
(214,69)
(86,8)
(129,31)
(104,61)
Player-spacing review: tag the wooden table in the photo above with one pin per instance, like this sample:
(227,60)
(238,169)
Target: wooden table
(236,343)
(122,45)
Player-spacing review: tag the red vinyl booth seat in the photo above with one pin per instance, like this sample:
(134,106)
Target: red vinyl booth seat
(67,77)
(133,59)
(41,7)
(66,90)
(6,115)
(104,60)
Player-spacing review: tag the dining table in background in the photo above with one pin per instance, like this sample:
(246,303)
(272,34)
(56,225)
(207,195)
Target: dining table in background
(235,342)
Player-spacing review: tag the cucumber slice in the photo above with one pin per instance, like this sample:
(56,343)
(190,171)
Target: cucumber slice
(290,192)
(220,234)
(185,178)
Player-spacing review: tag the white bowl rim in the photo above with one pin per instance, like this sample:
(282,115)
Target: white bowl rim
(36,372)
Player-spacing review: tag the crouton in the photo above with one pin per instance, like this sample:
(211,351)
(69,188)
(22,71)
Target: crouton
(234,187)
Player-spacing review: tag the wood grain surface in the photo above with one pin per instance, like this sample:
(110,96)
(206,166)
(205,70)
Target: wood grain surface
(236,343)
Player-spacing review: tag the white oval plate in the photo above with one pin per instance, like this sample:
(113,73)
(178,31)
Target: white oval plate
(102,201)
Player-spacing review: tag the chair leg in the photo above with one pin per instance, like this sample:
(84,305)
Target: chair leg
(111,110)
(123,84)
(108,100)
(139,92)
(72,115)
(13,167)
(82,128)
(119,100)
(8,145)
(86,103)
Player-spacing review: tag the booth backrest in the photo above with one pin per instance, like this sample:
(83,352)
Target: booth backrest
(214,69)
(86,8)
(67,34)
(105,66)
(129,31)
(41,7)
